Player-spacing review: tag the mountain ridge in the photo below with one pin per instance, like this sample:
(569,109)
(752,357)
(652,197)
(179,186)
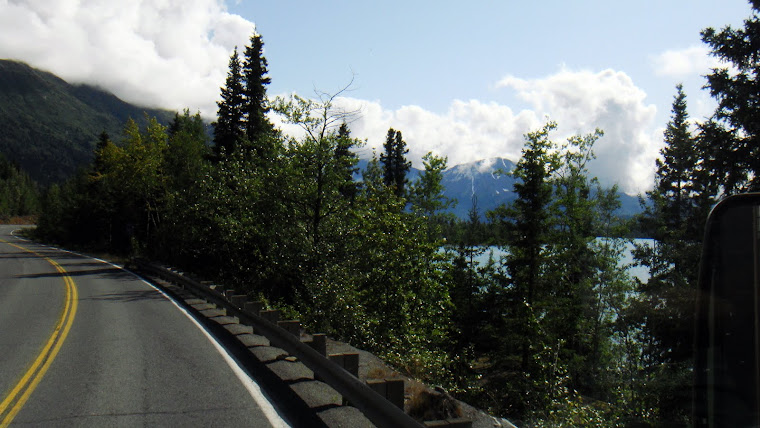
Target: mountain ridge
(50,127)
(491,185)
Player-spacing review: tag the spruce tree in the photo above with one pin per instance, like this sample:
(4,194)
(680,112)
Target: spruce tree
(346,160)
(527,223)
(386,158)
(258,130)
(229,127)
(395,165)
(733,139)
(528,219)
(572,262)
(674,216)
(103,140)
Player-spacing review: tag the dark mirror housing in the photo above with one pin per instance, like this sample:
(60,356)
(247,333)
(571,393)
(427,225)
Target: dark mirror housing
(727,331)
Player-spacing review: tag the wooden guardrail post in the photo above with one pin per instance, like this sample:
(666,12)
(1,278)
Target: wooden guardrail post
(377,385)
(394,392)
(272,315)
(318,343)
(254,308)
(291,326)
(238,300)
(391,389)
(348,361)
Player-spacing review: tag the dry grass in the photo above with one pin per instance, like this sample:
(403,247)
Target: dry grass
(430,405)
(381,372)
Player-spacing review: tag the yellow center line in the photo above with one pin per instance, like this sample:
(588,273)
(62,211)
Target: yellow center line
(18,396)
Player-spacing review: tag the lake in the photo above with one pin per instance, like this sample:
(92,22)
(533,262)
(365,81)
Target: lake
(640,272)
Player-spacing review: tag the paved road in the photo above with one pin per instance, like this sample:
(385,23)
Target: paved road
(83,343)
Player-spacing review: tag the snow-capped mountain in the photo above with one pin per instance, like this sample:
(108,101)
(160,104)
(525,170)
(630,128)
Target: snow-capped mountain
(488,182)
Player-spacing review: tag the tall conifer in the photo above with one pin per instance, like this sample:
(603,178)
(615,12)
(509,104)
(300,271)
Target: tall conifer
(734,129)
(229,126)
(674,216)
(395,165)
(258,130)
(346,160)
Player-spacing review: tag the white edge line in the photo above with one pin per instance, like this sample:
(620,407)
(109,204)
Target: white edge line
(254,390)
(13,234)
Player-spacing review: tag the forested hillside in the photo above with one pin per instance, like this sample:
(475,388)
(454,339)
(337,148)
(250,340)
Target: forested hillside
(49,127)
(19,194)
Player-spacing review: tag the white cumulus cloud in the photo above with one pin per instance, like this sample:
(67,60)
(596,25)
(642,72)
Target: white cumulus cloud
(170,53)
(467,132)
(580,101)
(684,63)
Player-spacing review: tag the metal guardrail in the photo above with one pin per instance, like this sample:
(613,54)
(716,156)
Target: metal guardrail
(375,407)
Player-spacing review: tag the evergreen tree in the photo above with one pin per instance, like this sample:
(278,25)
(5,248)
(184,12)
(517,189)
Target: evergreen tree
(258,130)
(102,205)
(187,150)
(733,140)
(103,140)
(528,221)
(395,165)
(527,224)
(426,193)
(675,215)
(470,283)
(347,160)
(19,194)
(572,261)
(229,128)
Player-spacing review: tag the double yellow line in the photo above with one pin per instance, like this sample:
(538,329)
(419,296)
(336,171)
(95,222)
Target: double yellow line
(20,393)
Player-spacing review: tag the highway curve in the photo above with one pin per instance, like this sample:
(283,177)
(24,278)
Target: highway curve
(84,343)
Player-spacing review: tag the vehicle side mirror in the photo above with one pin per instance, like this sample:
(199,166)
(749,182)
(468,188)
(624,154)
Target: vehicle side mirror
(727,330)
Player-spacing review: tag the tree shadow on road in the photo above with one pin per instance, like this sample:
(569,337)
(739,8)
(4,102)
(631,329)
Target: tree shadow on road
(128,296)
(107,272)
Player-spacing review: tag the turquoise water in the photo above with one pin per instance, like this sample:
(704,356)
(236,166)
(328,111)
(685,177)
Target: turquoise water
(640,272)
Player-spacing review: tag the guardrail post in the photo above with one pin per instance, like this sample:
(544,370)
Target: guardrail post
(253,307)
(337,359)
(318,343)
(291,326)
(272,316)
(348,361)
(394,392)
(378,385)
(459,423)
(238,300)
(391,389)
(352,364)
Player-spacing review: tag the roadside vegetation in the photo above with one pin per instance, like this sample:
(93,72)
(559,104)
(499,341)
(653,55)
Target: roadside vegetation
(555,333)
(19,194)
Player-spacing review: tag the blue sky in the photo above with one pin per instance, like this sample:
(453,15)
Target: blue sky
(429,53)
(465,80)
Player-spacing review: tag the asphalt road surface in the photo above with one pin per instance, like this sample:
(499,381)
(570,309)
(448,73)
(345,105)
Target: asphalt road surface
(84,343)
